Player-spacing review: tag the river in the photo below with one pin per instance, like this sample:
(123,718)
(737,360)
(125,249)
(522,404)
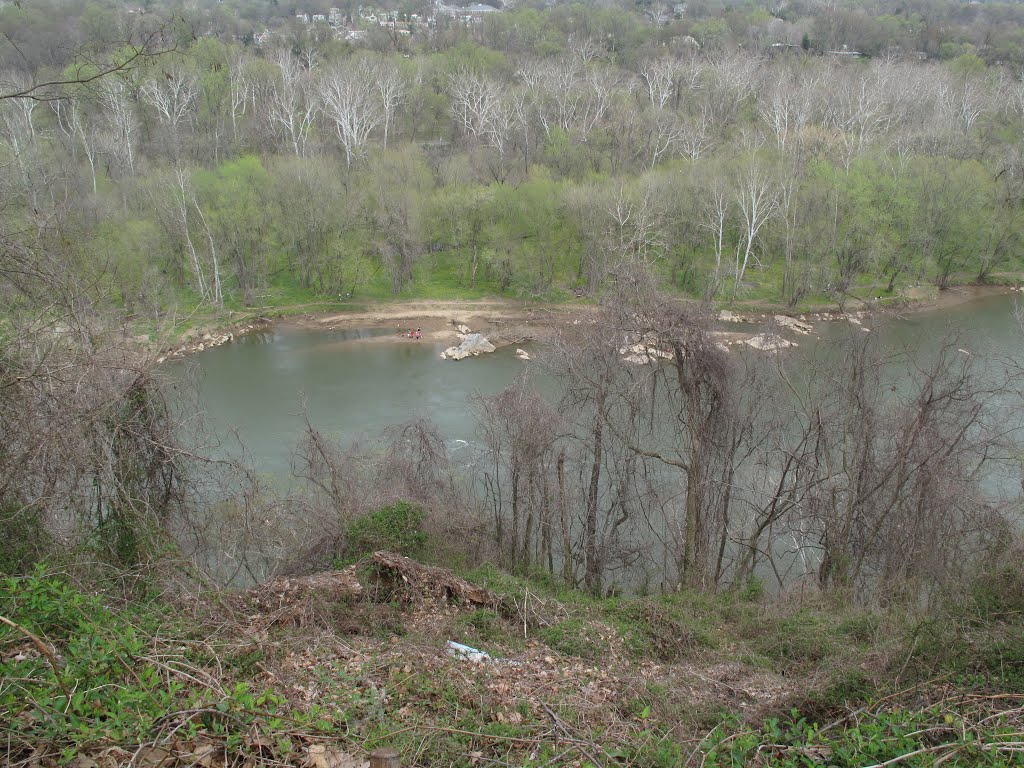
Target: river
(352,385)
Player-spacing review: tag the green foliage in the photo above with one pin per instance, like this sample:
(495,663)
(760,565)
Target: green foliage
(576,637)
(650,628)
(906,737)
(396,528)
(791,640)
(111,686)
(988,656)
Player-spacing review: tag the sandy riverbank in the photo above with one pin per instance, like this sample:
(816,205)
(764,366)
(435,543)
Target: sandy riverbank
(501,321)
(509,321)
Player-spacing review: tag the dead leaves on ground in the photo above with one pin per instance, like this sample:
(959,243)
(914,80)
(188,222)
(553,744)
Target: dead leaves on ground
(209,752)
(321,756)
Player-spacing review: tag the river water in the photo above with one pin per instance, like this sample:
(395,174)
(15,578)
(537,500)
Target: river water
(352,385)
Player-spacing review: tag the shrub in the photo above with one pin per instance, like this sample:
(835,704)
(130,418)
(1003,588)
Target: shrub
(396,528)
(998,595)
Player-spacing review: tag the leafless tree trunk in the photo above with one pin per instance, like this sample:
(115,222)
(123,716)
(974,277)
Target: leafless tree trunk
(292,107)
(757,201)
(353,107)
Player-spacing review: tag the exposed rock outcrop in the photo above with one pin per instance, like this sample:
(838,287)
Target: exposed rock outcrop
(474,344)
(768,342)
(793,324)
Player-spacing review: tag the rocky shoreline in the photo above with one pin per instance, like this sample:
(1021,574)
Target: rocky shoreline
(509,322)
(202,339)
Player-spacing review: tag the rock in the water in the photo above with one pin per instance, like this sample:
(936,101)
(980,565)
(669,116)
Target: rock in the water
(522,354)
(767,342)
(642,354)
(792,323)
(474,344)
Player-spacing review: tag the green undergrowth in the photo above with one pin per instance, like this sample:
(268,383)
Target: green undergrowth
(898,735)
(743,625)
(857,687)
(77,673)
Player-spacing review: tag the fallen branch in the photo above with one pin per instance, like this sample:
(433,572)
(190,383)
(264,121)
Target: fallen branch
(43,649)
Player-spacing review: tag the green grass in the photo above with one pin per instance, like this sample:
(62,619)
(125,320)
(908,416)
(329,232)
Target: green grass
(116,680)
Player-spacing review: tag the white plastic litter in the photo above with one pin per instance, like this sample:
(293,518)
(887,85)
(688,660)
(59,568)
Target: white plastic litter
(466,652)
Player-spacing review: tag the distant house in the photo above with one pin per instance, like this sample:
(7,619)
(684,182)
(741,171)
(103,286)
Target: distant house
(303,17)
(470,14)
(777,48)
(334,17)
(319,18)
(845,53)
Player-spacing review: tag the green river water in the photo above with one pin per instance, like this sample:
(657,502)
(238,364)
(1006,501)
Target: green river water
(352,385)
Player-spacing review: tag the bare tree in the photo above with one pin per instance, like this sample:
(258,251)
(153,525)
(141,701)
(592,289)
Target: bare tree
(292,106)
(352,106)
(661,80)
(174,96)
(695,140)
(18,135)
(138,48)
(728,81)
(475,99)
(592,371)
(393,89)
(119,104)
(714,215)
(858,108)
(520,430)
(184,208)
(241,87)
(757,201)
(896,473)
(962,103)
(664,135)
(79,129)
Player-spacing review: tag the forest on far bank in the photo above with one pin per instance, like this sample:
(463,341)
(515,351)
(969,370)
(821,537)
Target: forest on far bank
(742,152)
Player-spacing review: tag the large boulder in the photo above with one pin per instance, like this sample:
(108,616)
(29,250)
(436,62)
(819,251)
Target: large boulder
(474,344)
(792,323)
